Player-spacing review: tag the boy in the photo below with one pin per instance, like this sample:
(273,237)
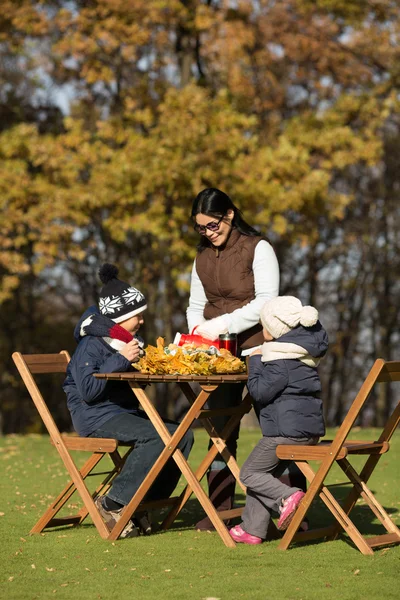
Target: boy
(108,409)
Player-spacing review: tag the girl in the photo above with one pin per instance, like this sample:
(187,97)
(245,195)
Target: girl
(284,382)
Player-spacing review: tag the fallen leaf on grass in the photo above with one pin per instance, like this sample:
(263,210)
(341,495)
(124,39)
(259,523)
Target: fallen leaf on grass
(10,578)
(50,569)
(356,572)
(33,566)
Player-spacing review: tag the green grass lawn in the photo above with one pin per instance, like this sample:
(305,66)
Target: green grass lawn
(180,563)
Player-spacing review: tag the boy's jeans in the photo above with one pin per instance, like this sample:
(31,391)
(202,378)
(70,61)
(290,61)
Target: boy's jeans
(260,475)
(138,429)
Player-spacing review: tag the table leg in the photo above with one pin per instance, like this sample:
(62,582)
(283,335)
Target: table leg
(171,443)
(219,439)
(219,447)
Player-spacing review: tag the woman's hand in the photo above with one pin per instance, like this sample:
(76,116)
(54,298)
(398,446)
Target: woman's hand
(212,328)
(131,351)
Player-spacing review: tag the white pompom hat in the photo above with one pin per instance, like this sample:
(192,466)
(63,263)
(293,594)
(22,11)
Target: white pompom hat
(283,313)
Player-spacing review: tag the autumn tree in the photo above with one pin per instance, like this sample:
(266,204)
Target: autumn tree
(290,107)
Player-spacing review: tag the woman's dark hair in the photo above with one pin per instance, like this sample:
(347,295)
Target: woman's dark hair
(214,203)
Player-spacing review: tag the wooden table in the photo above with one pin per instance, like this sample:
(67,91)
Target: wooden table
(208,384)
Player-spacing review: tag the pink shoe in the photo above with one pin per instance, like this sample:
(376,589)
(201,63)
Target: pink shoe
(239,535)
(288,509)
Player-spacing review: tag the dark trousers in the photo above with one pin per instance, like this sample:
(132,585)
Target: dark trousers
(260,474)
(226,395)
(137,429)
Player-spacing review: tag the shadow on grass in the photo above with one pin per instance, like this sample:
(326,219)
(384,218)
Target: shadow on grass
(319,516)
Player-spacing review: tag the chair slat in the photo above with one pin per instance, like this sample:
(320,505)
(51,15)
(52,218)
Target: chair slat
(46,363)
(383,540)
(289,452)
(390,372)
(367,448)
(89,444)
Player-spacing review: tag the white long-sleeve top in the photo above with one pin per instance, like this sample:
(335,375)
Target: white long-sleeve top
(266,286)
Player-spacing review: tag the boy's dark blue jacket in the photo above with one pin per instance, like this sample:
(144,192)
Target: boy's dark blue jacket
(92,401)
(287,391)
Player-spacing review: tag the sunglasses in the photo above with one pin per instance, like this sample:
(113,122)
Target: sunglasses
(212,226)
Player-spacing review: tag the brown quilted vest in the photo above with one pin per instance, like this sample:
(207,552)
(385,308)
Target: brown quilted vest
(228,280)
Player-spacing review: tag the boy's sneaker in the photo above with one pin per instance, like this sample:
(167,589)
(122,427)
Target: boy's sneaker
(112,516)
(240,535)
(288,509)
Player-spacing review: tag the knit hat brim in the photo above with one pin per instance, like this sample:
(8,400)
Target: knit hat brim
(130,314)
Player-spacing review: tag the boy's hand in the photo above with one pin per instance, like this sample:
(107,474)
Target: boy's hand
(131,351)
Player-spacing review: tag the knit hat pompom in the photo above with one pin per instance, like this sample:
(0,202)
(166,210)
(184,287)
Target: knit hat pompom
(283,313)
(309,316)
(107,272)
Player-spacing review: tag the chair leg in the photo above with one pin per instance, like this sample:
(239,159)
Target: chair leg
(345,522)
(47,518)
(334,508)
(105,485)
(362,490)
(218,447)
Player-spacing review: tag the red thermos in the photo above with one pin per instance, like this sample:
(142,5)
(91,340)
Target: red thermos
(229,342)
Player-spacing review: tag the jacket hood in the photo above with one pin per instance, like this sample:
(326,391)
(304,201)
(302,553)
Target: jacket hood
(313,339)
(92,310)
(93,323)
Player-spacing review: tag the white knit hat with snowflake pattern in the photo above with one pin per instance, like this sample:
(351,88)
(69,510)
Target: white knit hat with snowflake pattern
(118,300)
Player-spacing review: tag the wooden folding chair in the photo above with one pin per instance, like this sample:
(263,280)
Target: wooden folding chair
(337,451)
(29,365)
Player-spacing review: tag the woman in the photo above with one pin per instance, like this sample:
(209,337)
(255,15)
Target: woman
(235,272)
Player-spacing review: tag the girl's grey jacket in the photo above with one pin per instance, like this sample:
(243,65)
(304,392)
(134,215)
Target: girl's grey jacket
(287,392)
